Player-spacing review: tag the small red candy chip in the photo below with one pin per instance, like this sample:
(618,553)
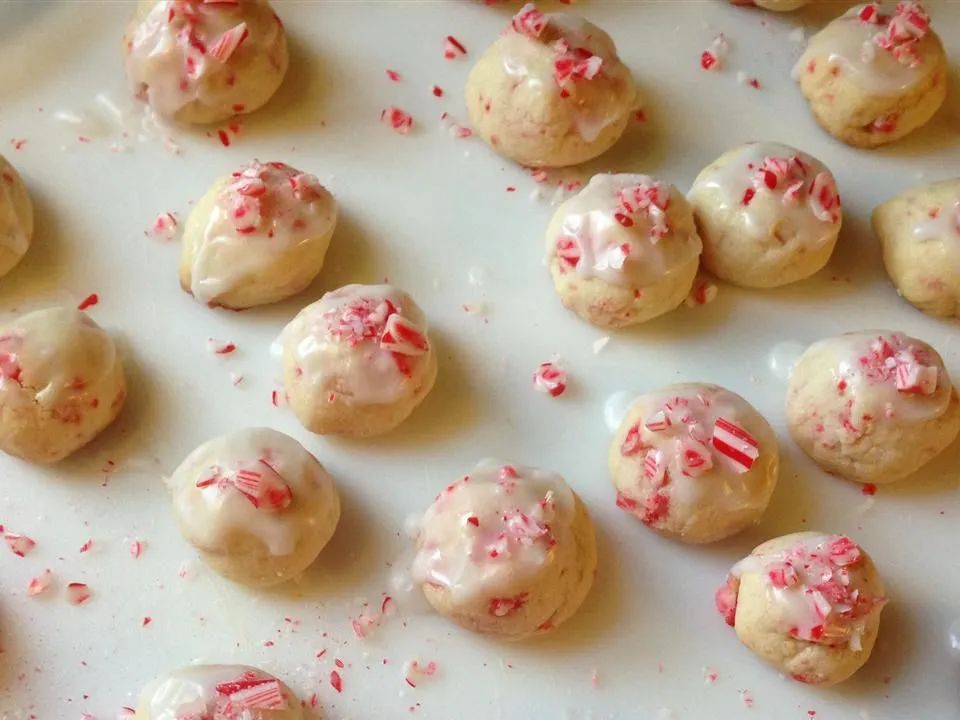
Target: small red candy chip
(20,545)
(632,442)
(708,60)
(568,252)
(550,379)
(453,48)
(397,119)
(725,600)
(336,682)
(656,508)
(40,583)
(403,337)
(506,606)
(783,575)
(529,21)
(89,301)
(78,593)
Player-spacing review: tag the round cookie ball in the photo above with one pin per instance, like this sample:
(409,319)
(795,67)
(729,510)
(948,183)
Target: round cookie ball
(872,78)
(61,384)
(768,215)
(203,62)
(807,603)
(694,462)
(872,406)
(256,505)
(623,250)
(259,235)
(16,217)
(775,5)
(919,232)
(358,361)
(507,551)
(218,691)
(551,91)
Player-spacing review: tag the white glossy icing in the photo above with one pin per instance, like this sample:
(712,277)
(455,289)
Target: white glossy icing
(182,51)
(582,53)
(341,344)
(488,535)
(674,442)
(265,209)
(619,229)
(56,358)
(773,189)
(864,370)
(811,583)
(218,692)
(16,214)
(857,48)
(255,482)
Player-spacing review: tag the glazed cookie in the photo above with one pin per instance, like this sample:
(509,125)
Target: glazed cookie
(809,604)
(768,215)
(550,91)
(61,384)
(16,217)
(872,406)
(201,62)
(871,77)
(775,5)
(919,231)
(256,505)
(694,462)
(358,361)
(259,235)
(506,550)
(219,692)
(623,250)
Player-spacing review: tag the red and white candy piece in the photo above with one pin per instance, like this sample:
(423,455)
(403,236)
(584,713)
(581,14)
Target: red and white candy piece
(403,337)
(914,377)
(568,251)
(40,583)
(252,693)
(550,379)
(228,43)
(736,444)
(397,119)
(529,21)
(20,545)
(78,593)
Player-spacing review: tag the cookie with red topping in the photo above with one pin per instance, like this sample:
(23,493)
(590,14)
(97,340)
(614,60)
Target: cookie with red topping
(875,74)
(919,231)
(551,91)
(768,215)
(694,462)
(807,603)
(259,235)
(358,361)
(16,217)
(623,250)
(872,406)
(61,384)
(506,550)
(203,61)
(223,692)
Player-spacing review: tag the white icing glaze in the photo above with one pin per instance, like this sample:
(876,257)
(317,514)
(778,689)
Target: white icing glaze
(618,229)
(774,188)
(583,53)
(674,441)
(811,583)
(55,358)
(341,344)
(850,43)
(942,234)
(265,209)
(217,692)
(182,51)
(864,368)
(488,535)
(255,482)
(16,215)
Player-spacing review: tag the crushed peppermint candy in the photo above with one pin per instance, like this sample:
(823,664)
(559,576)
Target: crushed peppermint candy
(262,485)
(453,48)
(648,200)
(250,692)
(397,119)
(899,34)
(736,444)
(165,226)
(529,21)
(20,545)
(40,583)
(264,196)
(220,347)
(551,379)
(414,671)
(78,593)
(712,58)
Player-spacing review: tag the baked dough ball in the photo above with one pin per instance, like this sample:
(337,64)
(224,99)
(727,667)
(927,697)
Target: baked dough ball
(623,250)
(61,384)
(198,61)
(871,78)
(695,462)
(218,691)
(550,91)
(16,217)
(358,361)
(257,506)
(807,603)
(768,215)
(506,550)
(259,235)
(872,406)
(919,232)
(775,5)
